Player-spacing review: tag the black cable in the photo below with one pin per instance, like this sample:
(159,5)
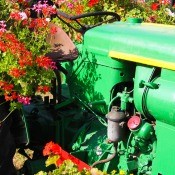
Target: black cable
(145,110)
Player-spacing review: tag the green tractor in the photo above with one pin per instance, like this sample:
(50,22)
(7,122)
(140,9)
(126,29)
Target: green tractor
(113,102)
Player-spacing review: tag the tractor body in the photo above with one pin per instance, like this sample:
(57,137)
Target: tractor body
(118,107)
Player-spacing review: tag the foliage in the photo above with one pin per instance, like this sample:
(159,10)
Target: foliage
(152,11)
(68,164)
(24,68)
(155,11)
(78,7)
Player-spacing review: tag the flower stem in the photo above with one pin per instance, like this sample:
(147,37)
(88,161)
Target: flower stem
(6,117)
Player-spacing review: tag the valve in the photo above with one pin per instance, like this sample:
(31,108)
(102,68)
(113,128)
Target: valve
(125,99)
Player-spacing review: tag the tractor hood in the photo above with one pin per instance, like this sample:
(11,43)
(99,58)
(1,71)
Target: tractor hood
(147,43)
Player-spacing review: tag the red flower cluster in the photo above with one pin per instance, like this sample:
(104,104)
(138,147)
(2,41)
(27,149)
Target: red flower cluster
(6,86)
(9,43)
(79,9)
(51,148)
(11,96)
(16,73)
(43,89)
(25,59)
(155,6)
(54,149)
(22,46)
(49,10)
(38,23)
(3,46)
(16,16)
(45,62)
(91,3)
(53,30)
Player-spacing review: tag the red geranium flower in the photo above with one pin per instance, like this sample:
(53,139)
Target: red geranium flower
(3,46)
(16,73)
(8,87)
(51,148)
(79,9)
(53,30)
(11,96)
(43,89)
(38,23)
(155,6)
(45,62)
(92,3)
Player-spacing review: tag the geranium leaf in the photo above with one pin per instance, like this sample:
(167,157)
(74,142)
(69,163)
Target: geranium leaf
(52,160)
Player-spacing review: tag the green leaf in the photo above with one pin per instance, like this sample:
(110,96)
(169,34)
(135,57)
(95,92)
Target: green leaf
(52,160)
(41,173)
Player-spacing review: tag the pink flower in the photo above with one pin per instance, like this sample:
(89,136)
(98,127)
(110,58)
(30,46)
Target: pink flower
(44,8)
(39,6)
(70,5)
(2,26)
(24,100)
(23,15)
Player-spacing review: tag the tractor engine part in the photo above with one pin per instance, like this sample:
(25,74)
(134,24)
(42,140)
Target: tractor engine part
(140,128)
(115,124)
(143,133)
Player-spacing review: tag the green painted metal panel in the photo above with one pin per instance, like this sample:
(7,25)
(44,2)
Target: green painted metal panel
(164,162)
(93,75)
(149,40)
(158,102)
(161,101)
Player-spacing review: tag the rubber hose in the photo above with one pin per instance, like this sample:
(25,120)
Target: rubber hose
(107,159)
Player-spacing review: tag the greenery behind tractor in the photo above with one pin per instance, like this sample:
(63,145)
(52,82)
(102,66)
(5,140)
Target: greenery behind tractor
(111,96)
